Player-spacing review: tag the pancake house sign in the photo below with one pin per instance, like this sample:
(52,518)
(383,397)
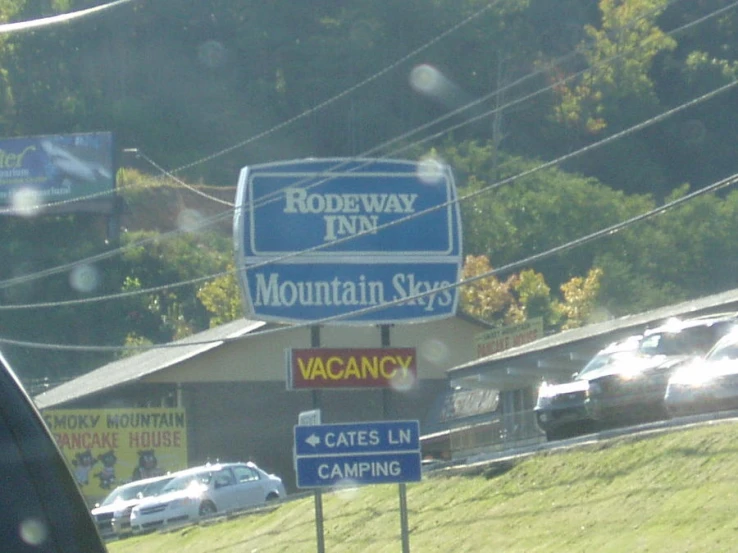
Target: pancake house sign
(320,368)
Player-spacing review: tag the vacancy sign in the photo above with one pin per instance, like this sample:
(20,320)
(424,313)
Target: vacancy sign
(318,368)
(363,241)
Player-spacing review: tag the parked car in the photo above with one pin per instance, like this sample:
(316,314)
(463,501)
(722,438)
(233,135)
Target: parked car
(560,408)
(203,491)
(113,515)
(41,506)
(633,390)
(709,384)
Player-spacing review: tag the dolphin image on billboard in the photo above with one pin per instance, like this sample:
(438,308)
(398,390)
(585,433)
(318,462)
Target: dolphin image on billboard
(346,240)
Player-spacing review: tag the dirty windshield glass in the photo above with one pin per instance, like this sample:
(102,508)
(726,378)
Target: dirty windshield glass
(350,245)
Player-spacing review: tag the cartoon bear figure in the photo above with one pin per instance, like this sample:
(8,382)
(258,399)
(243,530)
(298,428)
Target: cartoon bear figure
(107,473)
(83,462)
(147,465)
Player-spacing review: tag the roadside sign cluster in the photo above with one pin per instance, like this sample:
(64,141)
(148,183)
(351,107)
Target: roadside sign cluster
(357,453)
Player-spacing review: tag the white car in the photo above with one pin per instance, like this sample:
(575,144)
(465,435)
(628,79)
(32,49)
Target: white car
(112,516)
(708,384)
(203,491)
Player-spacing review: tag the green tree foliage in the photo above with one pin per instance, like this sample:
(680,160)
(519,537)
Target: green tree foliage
(526,295)
(222,298)
(127,73)
(533,213)
(620,53)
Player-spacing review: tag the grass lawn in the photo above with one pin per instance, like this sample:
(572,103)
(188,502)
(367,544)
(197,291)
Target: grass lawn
(671,492)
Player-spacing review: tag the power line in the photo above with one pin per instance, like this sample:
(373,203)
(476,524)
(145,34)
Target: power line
(61,19)
(539,167)
(351,89)
(298,117)
(22,279)
(608,231)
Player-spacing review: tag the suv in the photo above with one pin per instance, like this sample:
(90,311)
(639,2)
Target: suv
(204,491)
(41,506)
(633,390)
(560,409)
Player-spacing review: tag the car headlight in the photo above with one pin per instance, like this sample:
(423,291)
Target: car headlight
(543,401)
(689,378)
(630,374)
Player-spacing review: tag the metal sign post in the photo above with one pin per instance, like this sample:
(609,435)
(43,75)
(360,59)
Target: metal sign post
(320,535)
(404,526)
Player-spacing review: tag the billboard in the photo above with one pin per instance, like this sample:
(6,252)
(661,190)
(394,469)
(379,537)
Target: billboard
(319,368)
(57,173)
(108,447)
(328,238)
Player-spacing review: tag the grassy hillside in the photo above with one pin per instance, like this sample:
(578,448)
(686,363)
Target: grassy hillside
(672,492)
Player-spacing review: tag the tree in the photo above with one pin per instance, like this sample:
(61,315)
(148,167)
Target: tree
(526,295)
(222,298)
(617,85)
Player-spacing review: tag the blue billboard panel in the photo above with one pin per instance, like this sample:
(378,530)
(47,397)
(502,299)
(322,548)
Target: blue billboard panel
(357,437)
(315,291)
(347,211)
(323,238)
(336,470)
(73,172)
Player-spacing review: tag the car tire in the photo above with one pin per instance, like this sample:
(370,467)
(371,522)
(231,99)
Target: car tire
(207,508)
(272,497)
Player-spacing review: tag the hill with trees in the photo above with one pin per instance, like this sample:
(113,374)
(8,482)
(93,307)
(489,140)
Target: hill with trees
(536,117)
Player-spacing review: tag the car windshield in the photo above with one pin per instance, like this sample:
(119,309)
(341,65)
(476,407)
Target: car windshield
(222,220)
(186,481)
(124,494)
(136,491)
(725,352)
(610,355)
(690,341)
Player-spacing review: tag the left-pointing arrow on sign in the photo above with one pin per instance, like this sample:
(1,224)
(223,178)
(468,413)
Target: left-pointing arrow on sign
(313,440)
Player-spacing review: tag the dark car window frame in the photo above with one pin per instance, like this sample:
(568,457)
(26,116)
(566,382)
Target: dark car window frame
(43,497)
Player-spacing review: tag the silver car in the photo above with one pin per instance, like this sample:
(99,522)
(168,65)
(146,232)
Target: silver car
(709,384)
(113,515)
(204,491)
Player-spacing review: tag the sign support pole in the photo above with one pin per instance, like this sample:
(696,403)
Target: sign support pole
(315,343)
(404,530)
(385,343)
(403,518)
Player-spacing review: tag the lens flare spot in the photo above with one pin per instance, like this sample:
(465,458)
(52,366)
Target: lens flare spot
(33,531)
(84,278)
(403,383)
(347,486)
(426,79)
(430,171)
(26,202)
(212,54)
(347,490)
(435,351)
(189,220)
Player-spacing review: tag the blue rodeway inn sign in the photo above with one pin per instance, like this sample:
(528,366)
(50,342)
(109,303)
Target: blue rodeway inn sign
(320,238)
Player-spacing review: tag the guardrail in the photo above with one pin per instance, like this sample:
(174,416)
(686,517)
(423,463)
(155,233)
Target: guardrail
(506,431)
